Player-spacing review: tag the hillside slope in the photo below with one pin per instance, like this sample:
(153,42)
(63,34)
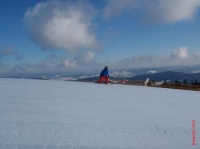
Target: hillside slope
(38,114)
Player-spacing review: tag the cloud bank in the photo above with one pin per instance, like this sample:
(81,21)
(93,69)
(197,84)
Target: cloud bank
(87,62)
(62,25)
(154,11)
(54,63)
(180,56)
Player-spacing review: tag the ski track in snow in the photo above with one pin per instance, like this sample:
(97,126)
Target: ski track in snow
(38,114)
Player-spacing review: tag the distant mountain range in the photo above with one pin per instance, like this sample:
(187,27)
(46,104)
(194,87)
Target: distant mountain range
(170,73)
(169,76)
(139,74)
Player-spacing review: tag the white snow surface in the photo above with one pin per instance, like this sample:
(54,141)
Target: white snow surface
(39,114)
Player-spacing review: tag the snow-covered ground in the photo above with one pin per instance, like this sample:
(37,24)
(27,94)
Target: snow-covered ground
(38,114)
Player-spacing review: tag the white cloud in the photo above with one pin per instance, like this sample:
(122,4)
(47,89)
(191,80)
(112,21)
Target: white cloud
(65,25)
(181,53)
(82,60)
(85,57)
(172,10)
(69,63)
(154,11)
(88,57)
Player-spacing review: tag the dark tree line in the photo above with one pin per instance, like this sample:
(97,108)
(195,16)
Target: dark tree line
(195,82)
(185,82)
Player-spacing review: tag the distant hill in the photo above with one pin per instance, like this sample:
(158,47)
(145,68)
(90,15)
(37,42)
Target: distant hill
(168,75)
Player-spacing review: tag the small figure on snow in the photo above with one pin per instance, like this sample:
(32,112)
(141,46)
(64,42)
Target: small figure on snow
(104,75)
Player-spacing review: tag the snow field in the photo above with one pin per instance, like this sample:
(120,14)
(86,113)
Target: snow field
(38,114)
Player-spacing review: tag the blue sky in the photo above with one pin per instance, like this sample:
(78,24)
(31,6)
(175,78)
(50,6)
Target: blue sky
(40,36)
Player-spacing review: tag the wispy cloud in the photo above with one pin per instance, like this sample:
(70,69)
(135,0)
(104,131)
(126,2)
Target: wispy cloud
(9,51)
(114,8)
(62,25)
(154,11)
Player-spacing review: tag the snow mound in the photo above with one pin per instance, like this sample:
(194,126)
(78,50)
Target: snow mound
(39,114)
